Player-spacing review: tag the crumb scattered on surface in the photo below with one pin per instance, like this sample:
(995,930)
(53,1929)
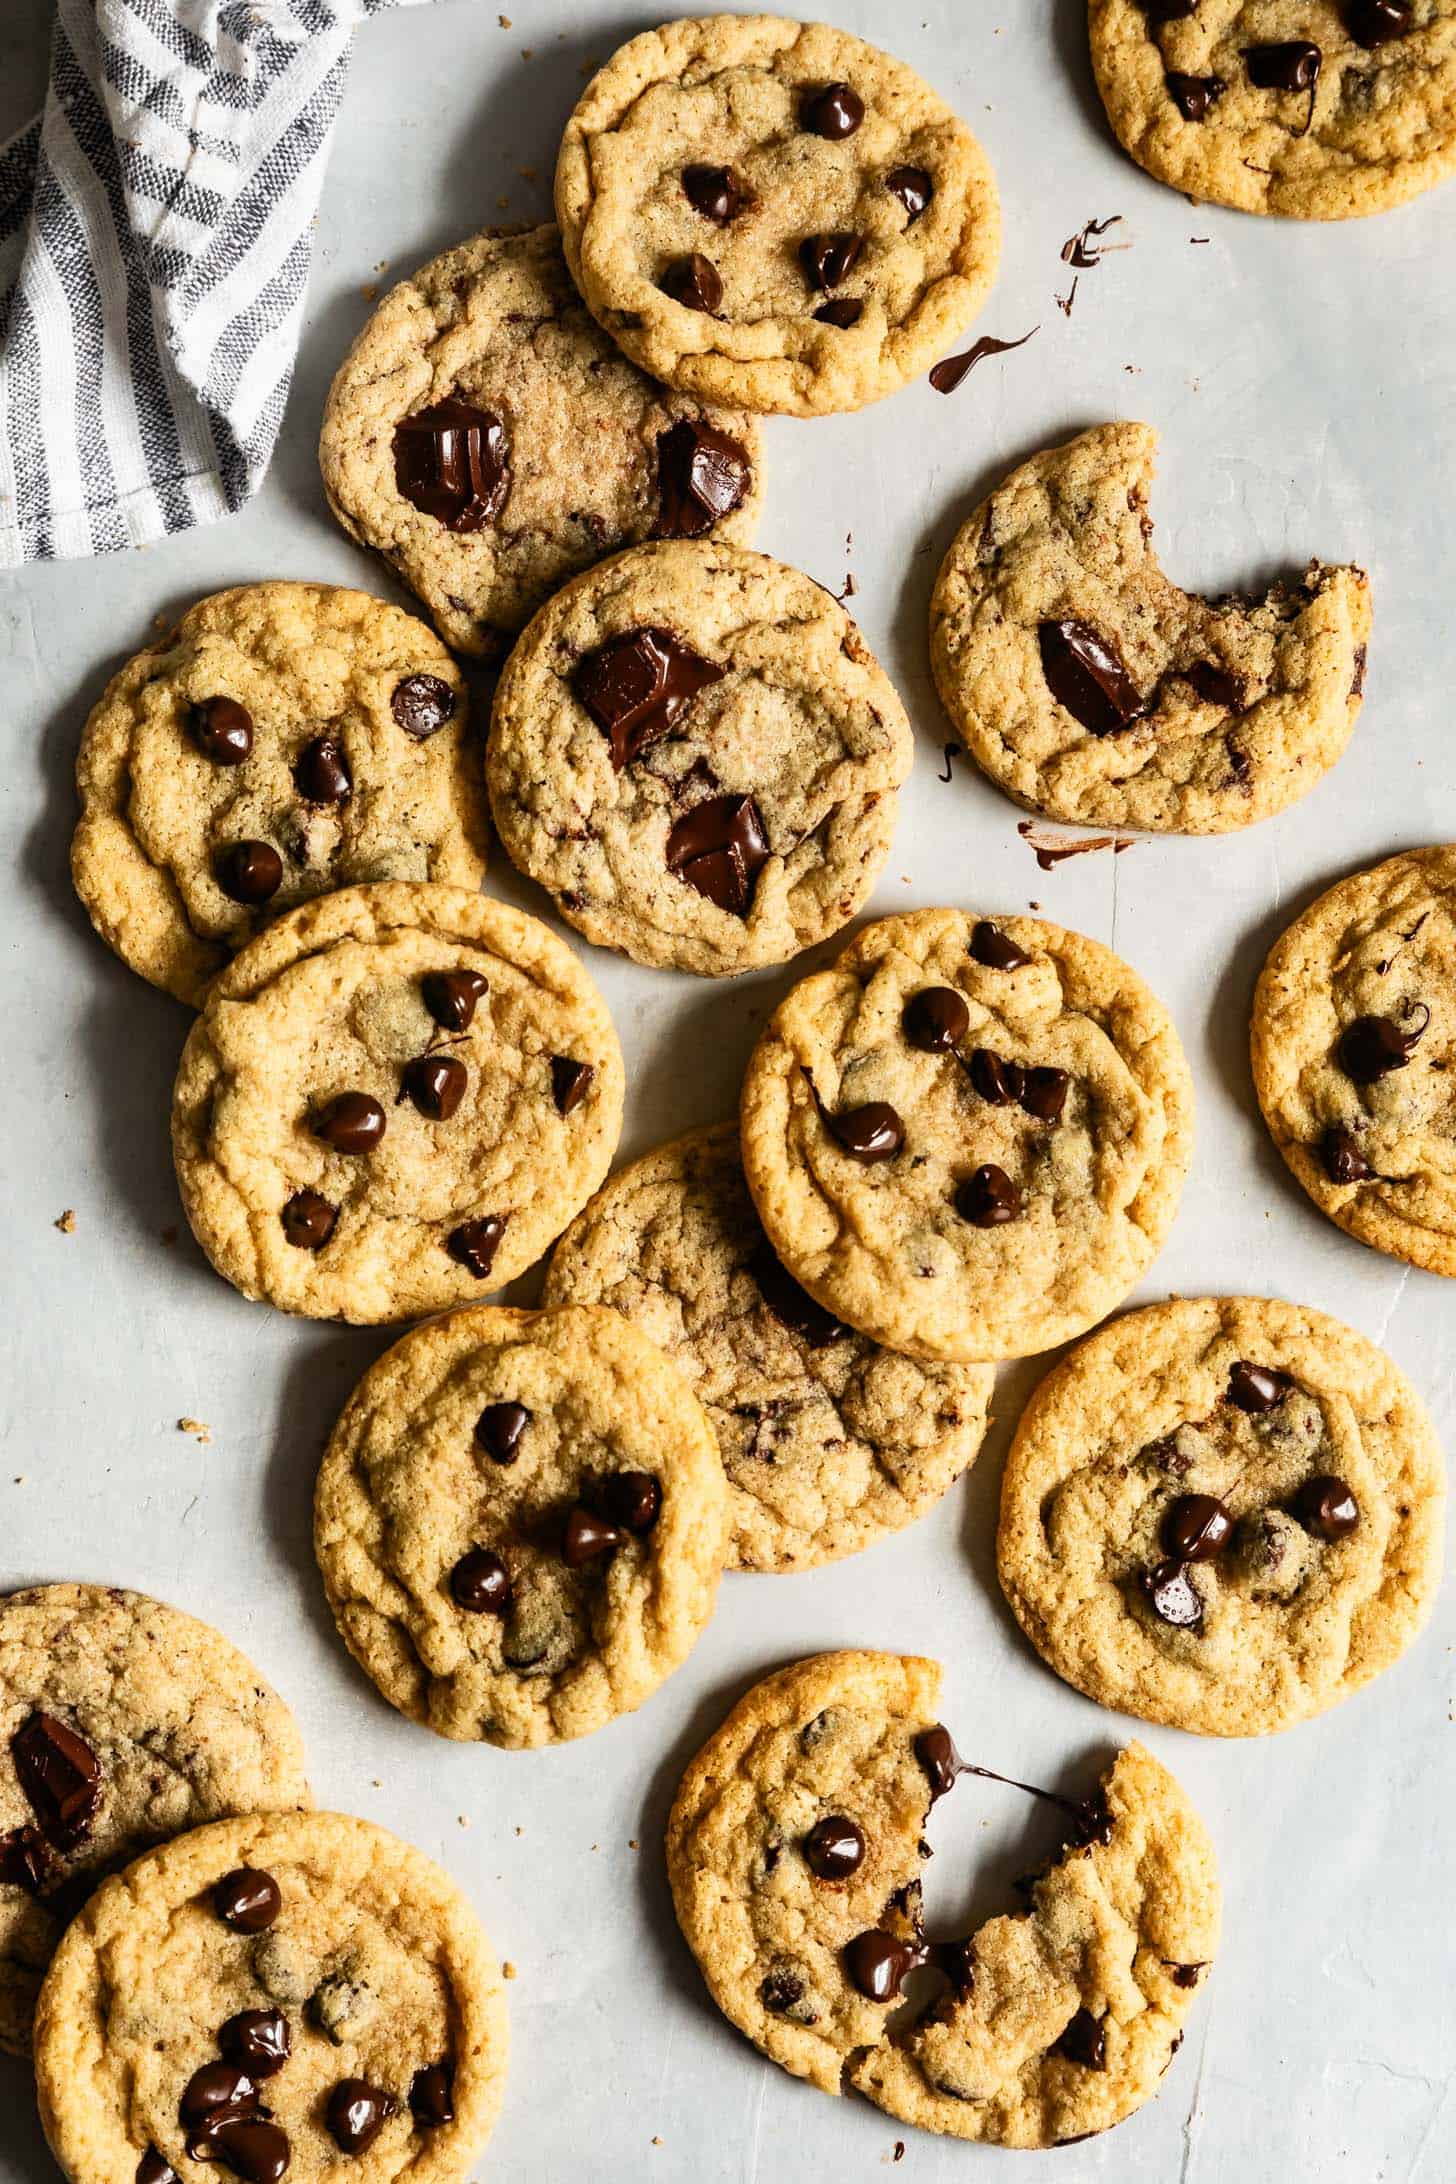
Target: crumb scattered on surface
(508,1970)
(528,174)
(504,21)
(200,1430)
(1051,849)
(66,1222)
(169,1233)
(462,1819)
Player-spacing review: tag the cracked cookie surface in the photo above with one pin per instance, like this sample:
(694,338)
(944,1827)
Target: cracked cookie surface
(282,741)
(694,750)
(393,1101)
(795,1847)
(968,1139)
(1223,1513)
(520,1519)
(1313,109)
(828,1440)
(774,213)
(594,456)
(175,1727)
(1354,1047)
(1090,688)
(343,1967)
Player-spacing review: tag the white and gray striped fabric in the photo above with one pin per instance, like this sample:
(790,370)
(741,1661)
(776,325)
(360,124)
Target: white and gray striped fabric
(156,223)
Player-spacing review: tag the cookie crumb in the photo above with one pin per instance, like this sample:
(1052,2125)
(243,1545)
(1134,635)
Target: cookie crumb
(66,1222)
(508,1970)
(462,1819)
(657,2142)
(1050,849)
(200,1430)
(631,1842)
(504,21)
(169,1233)
(369,291)
(528,174)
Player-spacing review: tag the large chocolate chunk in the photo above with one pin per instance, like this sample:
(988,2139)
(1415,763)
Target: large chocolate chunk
(637,686)
(720,847)
(1085,674)
(453,461)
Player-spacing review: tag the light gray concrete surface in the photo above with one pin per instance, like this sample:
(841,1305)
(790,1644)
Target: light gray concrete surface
(1303,380)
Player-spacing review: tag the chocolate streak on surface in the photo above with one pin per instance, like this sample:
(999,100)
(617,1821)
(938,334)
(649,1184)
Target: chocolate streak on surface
(1050,850)
(947,375)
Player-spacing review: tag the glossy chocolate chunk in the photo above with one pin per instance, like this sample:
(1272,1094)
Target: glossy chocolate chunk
(719,848)
(913,187)
(989,1198)
(633,1500)
(1372,1046)
(1044,1092)
(587,1537)
(995,949)
(152,2169)
(792,1304)
(435,1084)
(1085,675)
(996,1080)
(249,872)
(947,375)
(868,1134)
(308,1220)
(936,1019)
(1375,22)
(715,192)
(936,1752)
(216,2088)
(351,1122)
(421,705)
(1171,1596)
(1256,1388)
(60,1776)
(322,774)
(222,730)
(259,2041)
(253,2147)
(1292,64)
(702,476)
(877,1962)
(247,1899)
(452,997)
(833,110)
(1326,1507)
(26,1860)
(498,1431)
(481,1584)
(570,1082)
(1084,2042)
(694,282)
(834,1848)
(841,311)
(1196,1528)
(432,2095)
(637,687)
(829,259)
(356,2113)
(1194,95)
(453,461)
(475,1243)
(1343,1160)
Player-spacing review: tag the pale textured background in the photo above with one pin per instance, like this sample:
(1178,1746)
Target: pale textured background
(1303,380)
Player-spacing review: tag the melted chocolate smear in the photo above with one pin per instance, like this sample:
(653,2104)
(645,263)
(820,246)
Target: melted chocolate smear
(1372,1046)
(1085,675)
(948,751)
(702,476)
(253,2147)
(1079,250)
(453,462)
(947,375)
(790,1304)
(61,1778)
(719,848)
(1050,850)
(877,1963)
(637,687)
(1194,95)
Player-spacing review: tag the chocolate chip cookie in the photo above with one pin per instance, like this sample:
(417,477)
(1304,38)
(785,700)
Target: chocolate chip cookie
(795,1850)
(828,1440)
(489,440)
(773,213)
(520,1519)
(968,1138)
(1090,688)
(1354,1044)
(294,1994)
(1314,109)
(122,1722)
(281,741)
(393,1101)
(1223,1513)
(694,750)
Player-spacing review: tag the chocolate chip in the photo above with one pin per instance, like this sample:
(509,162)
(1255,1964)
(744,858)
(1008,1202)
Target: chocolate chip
(1292,64)
(1343,1160)
(252,2147)
(152,2169)
(1372,1046)
(1326,1507)
(1375,22)
(1357,679)
(587,1537)
(913,187)
(791,1304)
(947,375)
(637,686)
(1184,1975)
(834,1848)
(498,1430)
(475,1243)
(1196,1528)
(1084,2042)
(835,111)
(322,774)
(719,848)
(841,311)
(1193,95)
(60,1776)
(26,1860)
(259,2041)
(936,1752)
(1215,685)
(694,282)
(452,997)
(356,2113)
(481,1583)
(877,1962)
(829,259)
(1172,1597)
(432,2095)
(716,193)
(222,730)
(996,1080)
(1255,1388)
(1159,12)
(435,1083)
(308,1220)
(1044,1093)
(780,1991)
(702,476)
(570,1082)
(868,1134)
(249,872)
(216,2088)
(453,461)
(1085,674)
(247,1899)
(351,1122)
(936,1019)
(995,949)
(421,705)
(989,1198)
(633,1499)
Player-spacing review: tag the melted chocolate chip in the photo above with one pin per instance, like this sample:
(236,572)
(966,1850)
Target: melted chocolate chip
(1193,95)
(1085,674)
(432,2095)
(1343,1160)
(1159,12)
(481,1583)
(216,2089)
(719,848)
(637,686)
(694,282)
(989,1198)
(780,1991)
(1084,2042)
(835,111)
(249,872)
(570,1082)
(1326,1507)
(878,1961)
(1357,679)
(1184,1975)
(498,1430)
(152,2169)
(936,1752)
(843,312)
(996,1080)
(1372,1046)
(792,1304)
(435,1084)
(1256,1388)
(1215,685)
(60,1776)
(308,1220)
(453,462)
(702,476)
(834,1848)
(936,1019)
(254,2148)
(829,259)
(1044,1093)
(222,730)
(995,949)
(715,192)
(356,2113)
(1171,1596)
(475,1243)
(322,774)
(587,1537)
(247,1899)
(259,2041)
(947,375)
(421,705)
(26,1860)
(1292,64)
(913,187)
(868,1134)
(1196,1528)
(633,1500)
(1375,22)
(351,1122)
(452,997)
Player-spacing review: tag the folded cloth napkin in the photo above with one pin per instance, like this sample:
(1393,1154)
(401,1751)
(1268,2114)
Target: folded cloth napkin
(156,223)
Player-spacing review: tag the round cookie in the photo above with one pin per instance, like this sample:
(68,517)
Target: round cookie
(828,1441)
(1313,109)
(486,437)
(1092,689)
(795,1849)
(122,1722)
(695,752)
(269,1995)
(774,213)
(283,740)
(968,1139)
(1222,1513)
(393,1101)
(520,1519)
(1354,1043)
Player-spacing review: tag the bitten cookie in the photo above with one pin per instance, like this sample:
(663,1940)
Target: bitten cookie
(1354,1044)
(828,1440)
(1315,109)
(393,1101)
(1091,688)
(122,1722)
(968,1139)
(294,1994)
(694,750)
(283,740)
(774,213)
(795,1850)
(1223,1513)
(520,1519)
(486,437)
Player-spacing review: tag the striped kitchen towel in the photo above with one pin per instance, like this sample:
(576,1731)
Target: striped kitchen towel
(155,229)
